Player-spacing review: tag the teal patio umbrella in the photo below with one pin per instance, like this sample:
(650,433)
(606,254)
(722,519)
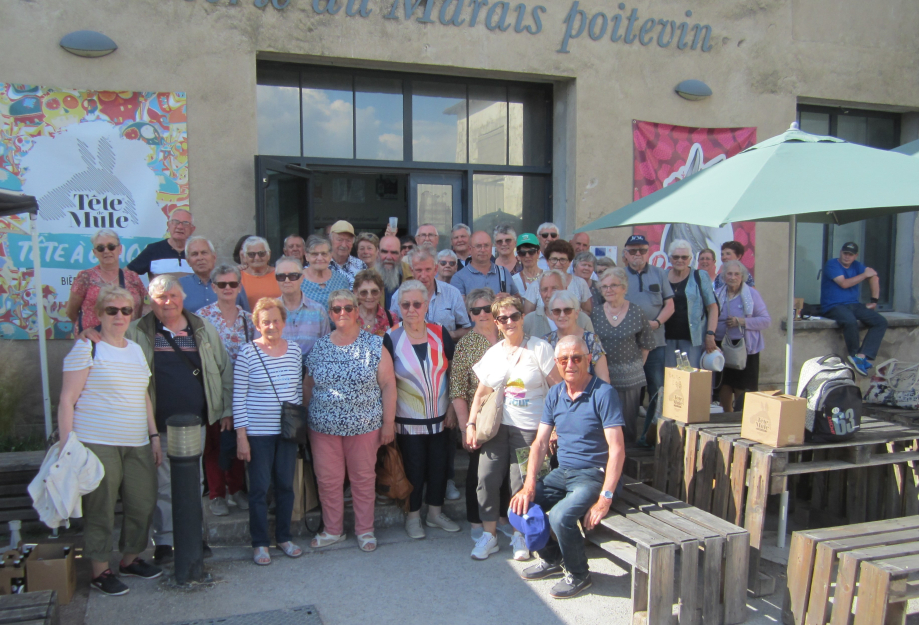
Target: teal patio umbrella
(910,149)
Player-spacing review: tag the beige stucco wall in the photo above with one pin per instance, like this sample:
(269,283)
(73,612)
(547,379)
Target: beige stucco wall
(766,55)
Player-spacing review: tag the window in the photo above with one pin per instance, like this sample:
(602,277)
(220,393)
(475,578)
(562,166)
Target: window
(817,243)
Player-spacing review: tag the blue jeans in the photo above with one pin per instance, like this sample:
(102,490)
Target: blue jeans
(654,377)
(273,459)
(568,494)
(848,316)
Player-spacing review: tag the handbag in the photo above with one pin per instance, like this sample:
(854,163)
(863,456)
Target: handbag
(896,384)
(391,479)
(293,416)
(491,411)
(735,352)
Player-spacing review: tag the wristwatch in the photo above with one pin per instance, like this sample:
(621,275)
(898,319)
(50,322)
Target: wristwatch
(709,333)
(608,495)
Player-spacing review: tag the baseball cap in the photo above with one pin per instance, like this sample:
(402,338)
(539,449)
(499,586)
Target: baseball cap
(850,247)
(527,238)
(637,239)
(533,525)
(342,227)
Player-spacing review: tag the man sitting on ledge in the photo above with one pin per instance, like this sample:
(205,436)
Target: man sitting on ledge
(839,300)
(584,410)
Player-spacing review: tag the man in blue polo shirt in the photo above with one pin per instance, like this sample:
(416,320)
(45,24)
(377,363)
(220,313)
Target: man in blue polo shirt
(584,411)
(481,272)
(840,301)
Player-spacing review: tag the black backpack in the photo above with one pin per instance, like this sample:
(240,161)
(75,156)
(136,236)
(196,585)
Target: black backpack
(834,400)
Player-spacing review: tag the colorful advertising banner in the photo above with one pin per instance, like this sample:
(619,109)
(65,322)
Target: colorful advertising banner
(664,154)
(94,160)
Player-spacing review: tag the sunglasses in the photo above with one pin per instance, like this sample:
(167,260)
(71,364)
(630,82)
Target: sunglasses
(637,252)
(528,252)
(261,254)
(675,257)
(111,311)
(223,285)
(503,241)
(478,310)
(336,310)
(110,247)
(447,263)
(558,311)
(576,359)
(504,319)
(292,277)
(407,247)
(410,305)
(549,235)
(371,293)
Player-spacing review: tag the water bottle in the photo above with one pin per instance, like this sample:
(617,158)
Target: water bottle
(686,365)
(679,360)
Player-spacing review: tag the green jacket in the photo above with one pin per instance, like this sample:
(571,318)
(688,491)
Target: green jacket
(215,362)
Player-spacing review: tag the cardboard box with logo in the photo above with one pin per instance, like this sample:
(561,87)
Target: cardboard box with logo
(687,395)
(773,418)
(49,568)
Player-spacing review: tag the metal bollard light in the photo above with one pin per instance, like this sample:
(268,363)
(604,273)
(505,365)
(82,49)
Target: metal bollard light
(183,433)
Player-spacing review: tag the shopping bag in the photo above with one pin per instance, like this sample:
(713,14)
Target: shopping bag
(895,383)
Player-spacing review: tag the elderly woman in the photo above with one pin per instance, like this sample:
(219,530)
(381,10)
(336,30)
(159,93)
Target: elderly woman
(351,391)
(563,310)
(368,248)
(691,327)
(235,327)
(447,265)
(463,383)
(527,370)
(626,337)
(706,260)
(421,354)
(306,320)
(559,254)
(98,377)
(238,255)
(268,373)
(537,323)
(258,276)
(743,316)
(319,279)
(368,287)
(81,307)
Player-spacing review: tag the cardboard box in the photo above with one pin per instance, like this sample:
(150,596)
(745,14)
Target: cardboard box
(8,572)
(687,395)
(49,569)
(773,418)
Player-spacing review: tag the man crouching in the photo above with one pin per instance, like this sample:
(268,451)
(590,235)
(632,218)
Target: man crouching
(584,411)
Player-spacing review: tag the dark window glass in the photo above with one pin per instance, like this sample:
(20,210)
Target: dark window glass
(528,113)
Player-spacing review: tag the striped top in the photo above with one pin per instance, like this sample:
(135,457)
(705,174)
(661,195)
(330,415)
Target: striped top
(255,405)
(118,377)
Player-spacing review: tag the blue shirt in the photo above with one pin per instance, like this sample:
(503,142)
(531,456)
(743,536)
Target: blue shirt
(199,294)
(446,307)
(580,423)
(469,278)
(831,294)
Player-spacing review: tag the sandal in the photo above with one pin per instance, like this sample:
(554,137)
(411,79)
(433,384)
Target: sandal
(290,550)
(262,557)
(367,542)
(324,539)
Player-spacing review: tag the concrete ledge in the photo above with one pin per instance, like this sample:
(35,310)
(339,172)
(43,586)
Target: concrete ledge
(894,320)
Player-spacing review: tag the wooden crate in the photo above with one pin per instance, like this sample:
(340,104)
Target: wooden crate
(31,608)
(886,587)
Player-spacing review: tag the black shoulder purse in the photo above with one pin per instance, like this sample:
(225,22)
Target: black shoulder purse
(293,416)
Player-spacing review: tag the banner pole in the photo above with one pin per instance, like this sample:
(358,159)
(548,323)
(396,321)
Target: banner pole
(40,312)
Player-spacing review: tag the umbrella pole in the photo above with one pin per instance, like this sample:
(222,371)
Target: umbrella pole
(789,356)
(40,314)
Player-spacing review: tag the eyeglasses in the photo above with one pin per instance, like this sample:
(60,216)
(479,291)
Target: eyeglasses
(176,222)
(558,311)
(549,235)
(320,254)
(370,293)
(447,263)
(336,310)
(223,285)
(425,235)
(575,358)
(610,287)
(637,252)
(283,277)
(478,310)
(527,252)
(503,319)
(111,311)
(555,261)
(410,305)
(110,247)
(676,257)
(261,254)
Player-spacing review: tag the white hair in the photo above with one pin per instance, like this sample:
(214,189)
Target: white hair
(105,232)
(420,253)
(255,241)
(547,226)
(196,238)
(736,264)
(445,254)
(573,341)
(412,285)
(293,260)
(162,283)
(505,229)
(680,244)
(619,273)
(565,297)
(461,227)
(552,272)
(423,225)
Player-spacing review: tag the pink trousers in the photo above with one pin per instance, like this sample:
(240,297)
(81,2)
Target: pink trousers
(356,456)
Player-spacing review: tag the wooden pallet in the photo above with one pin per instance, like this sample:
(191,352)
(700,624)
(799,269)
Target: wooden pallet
(886,587)
(640,463)
(17,470)
(30,608)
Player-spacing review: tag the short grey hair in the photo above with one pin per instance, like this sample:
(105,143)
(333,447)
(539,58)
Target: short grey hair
(162,283)
(412,285)
(225,268)
(105,232)
(606,261)
(462,227)
(736,264)
(315,239)
(255,241)
(616,272)
(420,226)
(344,294)
(293,260)
(445,254)
(293,236)
(565,297)
(571,340)
(198,237)
(477,294)
(547,226)
(680,244)
(552,272)
(504,229)
(585,257)
(420,253)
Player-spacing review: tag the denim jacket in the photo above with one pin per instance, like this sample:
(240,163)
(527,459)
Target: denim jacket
(697,303)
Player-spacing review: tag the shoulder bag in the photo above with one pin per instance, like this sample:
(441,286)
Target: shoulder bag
(491,412)
(735,352)
(293,416)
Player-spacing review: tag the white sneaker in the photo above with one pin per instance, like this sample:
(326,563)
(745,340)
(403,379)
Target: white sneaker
(519,545)
(442,521)
(485,546)
(452,492)
(218,506)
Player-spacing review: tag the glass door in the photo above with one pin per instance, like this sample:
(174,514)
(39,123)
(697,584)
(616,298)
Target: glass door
(282,202)
(436,199)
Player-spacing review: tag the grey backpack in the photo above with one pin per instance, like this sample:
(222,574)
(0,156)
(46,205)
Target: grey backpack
(834,401)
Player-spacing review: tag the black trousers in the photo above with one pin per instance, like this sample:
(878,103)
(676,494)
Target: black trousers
(424,457)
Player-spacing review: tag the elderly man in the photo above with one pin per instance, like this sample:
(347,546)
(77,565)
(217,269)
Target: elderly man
(505,249)
(481,273)
(546,233)
(191,374)
(446,303)
(295,247)
(584,411)
(840,300)
(427,236)
(392,268)
(537,323)
(580,242)
(650,290)
(168,255)
(198,292)
(341,234)
(459,243)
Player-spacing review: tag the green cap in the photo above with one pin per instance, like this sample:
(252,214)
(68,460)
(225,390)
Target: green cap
(527,238)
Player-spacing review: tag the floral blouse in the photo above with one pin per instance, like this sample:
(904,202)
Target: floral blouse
(463,380)
(87,285)
(242,332)
(381,324)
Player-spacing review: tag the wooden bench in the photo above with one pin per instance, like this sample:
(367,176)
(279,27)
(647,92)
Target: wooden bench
(30,608)
(17,470)
(819,557)
(886,587)
(675,550)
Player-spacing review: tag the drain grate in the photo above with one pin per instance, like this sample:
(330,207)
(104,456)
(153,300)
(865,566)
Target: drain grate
(304,615)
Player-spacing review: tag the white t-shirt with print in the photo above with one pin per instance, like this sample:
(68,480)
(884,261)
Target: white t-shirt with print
(525,384)
(578,287)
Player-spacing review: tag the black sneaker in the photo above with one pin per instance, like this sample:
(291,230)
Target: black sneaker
(108,584)
(139,568)
(206,550)
(163,554)
(541,570)
(570,586)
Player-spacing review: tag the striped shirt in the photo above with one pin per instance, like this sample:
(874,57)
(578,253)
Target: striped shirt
(111,409)
(255,405)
